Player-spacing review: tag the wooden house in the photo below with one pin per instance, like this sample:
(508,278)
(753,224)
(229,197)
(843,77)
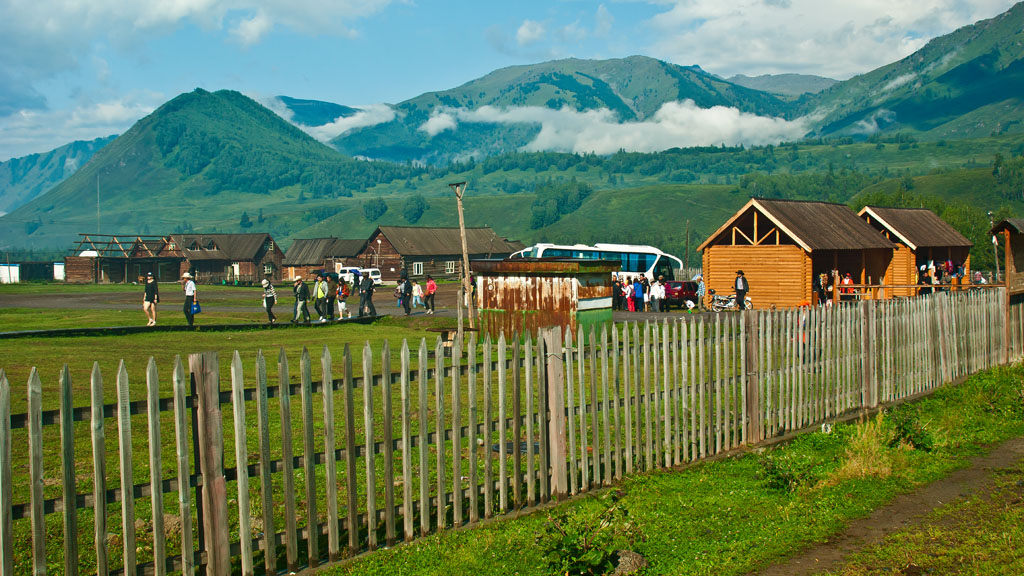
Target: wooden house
(921,237)
(1012,231)
(423,251)
(233,258)
(306,256)
(783,245)
(103,258)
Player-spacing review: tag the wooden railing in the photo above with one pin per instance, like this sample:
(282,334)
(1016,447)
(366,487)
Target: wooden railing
(451,438)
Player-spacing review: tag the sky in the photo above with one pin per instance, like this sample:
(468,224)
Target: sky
(78,70)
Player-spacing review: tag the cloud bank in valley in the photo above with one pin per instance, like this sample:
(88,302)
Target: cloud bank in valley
(369,115)
(675,124)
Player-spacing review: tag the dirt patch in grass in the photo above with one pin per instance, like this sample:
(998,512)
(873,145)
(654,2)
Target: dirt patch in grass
(905,510)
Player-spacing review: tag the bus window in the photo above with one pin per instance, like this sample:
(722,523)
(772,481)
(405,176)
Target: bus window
(664,268)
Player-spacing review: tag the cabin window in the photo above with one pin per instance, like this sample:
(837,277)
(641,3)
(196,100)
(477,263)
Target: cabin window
(268,269)
(270,246)
(417,268)
(449,266)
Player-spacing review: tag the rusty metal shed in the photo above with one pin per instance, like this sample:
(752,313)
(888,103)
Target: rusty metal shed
(527,294)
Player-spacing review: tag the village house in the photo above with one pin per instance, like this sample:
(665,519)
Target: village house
(1012,232)
(243,258)
(422,251)
(783,245)
(921,238)
(307,256)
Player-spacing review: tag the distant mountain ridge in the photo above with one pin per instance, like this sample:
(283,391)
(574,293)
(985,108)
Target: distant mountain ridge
(23,179)
(785,84)
(315,112)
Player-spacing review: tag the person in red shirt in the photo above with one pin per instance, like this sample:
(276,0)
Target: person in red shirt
(428,300)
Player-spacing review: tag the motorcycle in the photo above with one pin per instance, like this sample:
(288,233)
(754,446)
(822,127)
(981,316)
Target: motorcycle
(719,303)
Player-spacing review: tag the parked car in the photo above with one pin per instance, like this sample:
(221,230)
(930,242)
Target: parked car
(348,273)
(678,292)
(374,274)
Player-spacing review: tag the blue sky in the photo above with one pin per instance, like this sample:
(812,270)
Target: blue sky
(78,70)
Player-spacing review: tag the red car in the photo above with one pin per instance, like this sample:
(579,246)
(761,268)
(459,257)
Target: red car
(678,292)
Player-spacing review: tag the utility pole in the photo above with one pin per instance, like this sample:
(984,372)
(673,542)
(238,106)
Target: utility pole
(97,201)
(460,188)
(995,246)
(687,248)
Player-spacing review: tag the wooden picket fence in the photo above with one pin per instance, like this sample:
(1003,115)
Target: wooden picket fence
(456,435)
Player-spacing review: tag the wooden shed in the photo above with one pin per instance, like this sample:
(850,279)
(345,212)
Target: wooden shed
(1012,231)
(434,251)
(783,245)
(920,237)
(527,294)
(102,258)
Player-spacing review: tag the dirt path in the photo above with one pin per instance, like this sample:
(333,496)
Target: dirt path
(904,510)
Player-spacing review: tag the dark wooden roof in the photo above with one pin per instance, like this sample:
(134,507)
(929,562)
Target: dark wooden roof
(1011,224)
(917,227)
(234,247)
(422,241)
(313,251)
(813,225)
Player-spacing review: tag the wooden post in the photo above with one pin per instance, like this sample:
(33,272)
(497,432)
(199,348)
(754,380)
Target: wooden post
(752,371)
(266,479)
(6,514)
(35,449)
(124,439)
(205,373)
(155,470)
(460,188)
(67,443)
(556,405)
(241,465)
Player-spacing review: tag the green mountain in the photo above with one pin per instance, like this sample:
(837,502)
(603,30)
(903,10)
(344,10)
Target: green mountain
(785,84)
(22,179)
(632,88)
(965,84)
(198,162)
(315,112)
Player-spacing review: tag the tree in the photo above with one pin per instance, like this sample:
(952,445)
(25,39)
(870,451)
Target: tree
(414,208)
(375,208)
(244,222)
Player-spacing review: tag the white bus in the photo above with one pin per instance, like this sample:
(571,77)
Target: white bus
(646,260)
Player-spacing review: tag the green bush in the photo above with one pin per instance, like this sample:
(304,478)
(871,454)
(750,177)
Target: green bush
(582,542)
(908,430)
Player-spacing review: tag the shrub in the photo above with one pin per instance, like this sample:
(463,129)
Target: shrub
(907,430)
(587,543)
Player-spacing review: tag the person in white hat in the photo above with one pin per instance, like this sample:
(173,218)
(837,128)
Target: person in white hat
(269,299)
(190,297)
(301,292)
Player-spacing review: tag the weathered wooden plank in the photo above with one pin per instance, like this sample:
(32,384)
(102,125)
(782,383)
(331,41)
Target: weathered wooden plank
(616,403)
(439,411)
(241,464)
(531,470)
(308,463)
(656,384)
(648,448)
(99,470)
(628,396)
(502,426)
(702,385)
(184,469)
(6,513)
(584,462)
(407,510)
(205,372)
(424,425)
(351,472)
(291,538)
(543,419)
(556,403)
(368,454)
(488,421)
(266,472)
(124,440)
(594,403)
(330,461)
(69,488)
(571,407)
(35,450)
(474,484)
(389,444)
(517,424)
(606,407)
(457,492)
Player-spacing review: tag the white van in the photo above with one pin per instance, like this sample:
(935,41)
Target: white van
(348,273)
(374,274)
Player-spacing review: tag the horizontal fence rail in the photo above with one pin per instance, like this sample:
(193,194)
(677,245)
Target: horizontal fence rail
(253,476)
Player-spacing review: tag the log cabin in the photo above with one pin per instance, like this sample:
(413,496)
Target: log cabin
(783,245)
(921,238)
(307,256)
(1012,231)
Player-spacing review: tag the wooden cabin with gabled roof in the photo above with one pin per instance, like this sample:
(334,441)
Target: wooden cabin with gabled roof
(1012,231)
(921,237)
(783,245)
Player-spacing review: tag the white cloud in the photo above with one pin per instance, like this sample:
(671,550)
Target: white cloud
(367,116)
(898,81)
(251,30)
(29,131)
(837,38)
(530,32)
(674,124)
(439,122)
(605,21)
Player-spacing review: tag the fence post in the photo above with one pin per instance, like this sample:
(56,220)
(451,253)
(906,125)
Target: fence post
(869,392)
(556,406)
(752,370)
(205,373)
